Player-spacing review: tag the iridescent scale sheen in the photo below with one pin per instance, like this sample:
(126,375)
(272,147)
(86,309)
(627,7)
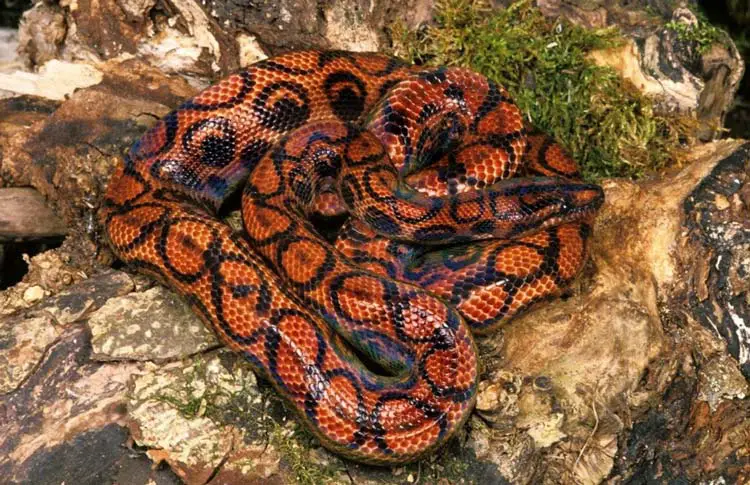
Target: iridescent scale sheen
(444,237)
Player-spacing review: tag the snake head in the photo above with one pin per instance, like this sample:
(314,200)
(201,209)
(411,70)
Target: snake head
(531,204)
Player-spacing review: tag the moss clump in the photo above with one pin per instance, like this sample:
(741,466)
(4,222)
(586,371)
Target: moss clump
(609,128)
(702,34)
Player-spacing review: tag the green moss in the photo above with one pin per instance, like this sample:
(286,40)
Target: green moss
(185,399)
(703,34)
(604,122)
(197,396)
(294,446)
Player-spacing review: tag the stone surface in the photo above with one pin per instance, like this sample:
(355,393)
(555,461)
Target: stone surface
(716,219)
(347,30)
(676,90)
(23,343)
(199,39)
(250,51)
(711,444)
(720,380)
(41,34)
(25,337)
(172,411)
(25,217)
(562,389)
(656,60)
(52,271)
(580,361)
(151,325)
(17,115)
(64,400)
(8,46)
(82,299)
(172,51)
(661,65)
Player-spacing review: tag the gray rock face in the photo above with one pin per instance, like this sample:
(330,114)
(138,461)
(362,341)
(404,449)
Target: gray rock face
(8,45)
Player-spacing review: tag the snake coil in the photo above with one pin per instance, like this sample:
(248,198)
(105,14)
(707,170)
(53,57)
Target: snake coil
(460,219)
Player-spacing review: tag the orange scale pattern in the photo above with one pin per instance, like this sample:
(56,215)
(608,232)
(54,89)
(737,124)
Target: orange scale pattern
(444,238)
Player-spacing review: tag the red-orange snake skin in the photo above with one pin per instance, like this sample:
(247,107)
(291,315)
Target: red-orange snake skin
(459,220)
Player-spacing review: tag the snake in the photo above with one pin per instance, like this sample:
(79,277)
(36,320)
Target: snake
(457,216)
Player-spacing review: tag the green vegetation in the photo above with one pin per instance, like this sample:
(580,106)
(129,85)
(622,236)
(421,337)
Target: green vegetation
(703,34)
(197,396)
(294,445)
(609,127)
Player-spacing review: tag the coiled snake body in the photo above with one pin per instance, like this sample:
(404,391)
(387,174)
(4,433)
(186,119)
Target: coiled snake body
(443,236)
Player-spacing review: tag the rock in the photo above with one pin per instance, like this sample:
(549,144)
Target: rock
(172,51)
(152,325)
(18,114)
(54,271)
(557,404)
(636,375)
(682,74)
(720,380)
(173,412)
(23,342)
(137,10)
(41,33)
(498,399)
(710,444)
(644,68)
(8,46)
(25,217)
(33,294)
(582,359)
(80,300)
(587,14)
(659,64)
(717,292)
(199,39)
(25,338)
(511,452)
(722,67)
(250,50)
(346,29)
(61,424)
(488,397)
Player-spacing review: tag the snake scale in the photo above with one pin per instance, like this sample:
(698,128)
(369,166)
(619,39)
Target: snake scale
(460,217)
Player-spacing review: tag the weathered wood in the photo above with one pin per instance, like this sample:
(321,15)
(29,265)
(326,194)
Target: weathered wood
(25,217)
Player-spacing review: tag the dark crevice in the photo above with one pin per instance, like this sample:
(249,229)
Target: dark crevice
(734,18)
(13,267)
(11,11)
